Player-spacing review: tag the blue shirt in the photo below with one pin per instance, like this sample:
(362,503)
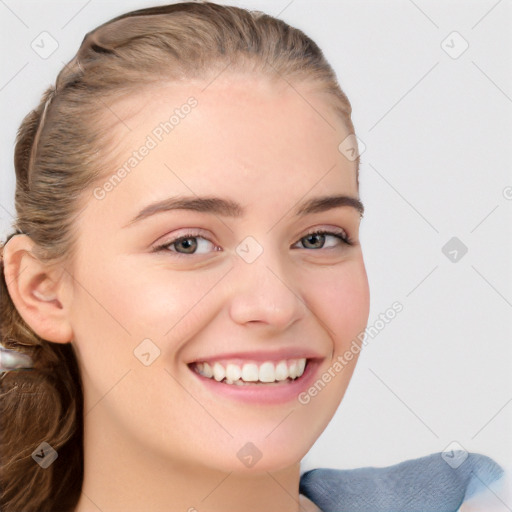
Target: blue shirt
(434,483)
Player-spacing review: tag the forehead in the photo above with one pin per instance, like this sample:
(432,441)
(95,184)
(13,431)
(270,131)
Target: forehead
(236,136)
(261,105)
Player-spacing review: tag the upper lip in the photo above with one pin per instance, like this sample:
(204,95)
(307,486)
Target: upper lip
(266,355)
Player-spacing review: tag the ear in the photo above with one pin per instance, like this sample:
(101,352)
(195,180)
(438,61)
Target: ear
(40,293)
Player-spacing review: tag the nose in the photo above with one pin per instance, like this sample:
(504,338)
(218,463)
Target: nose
(265,294)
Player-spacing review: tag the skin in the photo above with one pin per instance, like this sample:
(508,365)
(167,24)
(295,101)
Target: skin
(155,437)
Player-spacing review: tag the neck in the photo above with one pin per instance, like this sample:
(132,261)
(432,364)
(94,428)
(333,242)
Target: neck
(121,477)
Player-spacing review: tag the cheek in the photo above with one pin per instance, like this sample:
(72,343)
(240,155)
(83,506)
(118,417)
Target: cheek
(167,305)
(124,304)
(115,312)
(342,301)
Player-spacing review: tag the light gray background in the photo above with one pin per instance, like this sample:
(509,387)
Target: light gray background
(437,132)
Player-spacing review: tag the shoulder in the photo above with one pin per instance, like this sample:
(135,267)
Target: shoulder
(433,483)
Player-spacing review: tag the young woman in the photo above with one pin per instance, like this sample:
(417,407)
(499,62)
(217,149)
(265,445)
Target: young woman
(184,291)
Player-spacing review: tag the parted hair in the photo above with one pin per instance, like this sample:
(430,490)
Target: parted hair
(62,148)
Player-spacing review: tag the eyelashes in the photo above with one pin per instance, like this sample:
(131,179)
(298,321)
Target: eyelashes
(340,234)
(185,238)
(319,235)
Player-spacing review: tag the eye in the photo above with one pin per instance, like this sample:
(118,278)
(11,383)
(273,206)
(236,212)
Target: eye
(191,243)
(317,239)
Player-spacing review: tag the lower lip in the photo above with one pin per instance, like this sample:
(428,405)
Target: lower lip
(272,393)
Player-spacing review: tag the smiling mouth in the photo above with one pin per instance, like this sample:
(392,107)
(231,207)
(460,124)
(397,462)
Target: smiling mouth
(252,372)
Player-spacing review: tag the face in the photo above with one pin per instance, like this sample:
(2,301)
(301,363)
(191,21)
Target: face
(239,281)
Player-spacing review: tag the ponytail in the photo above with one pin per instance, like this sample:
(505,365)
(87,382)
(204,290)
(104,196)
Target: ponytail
(38,405)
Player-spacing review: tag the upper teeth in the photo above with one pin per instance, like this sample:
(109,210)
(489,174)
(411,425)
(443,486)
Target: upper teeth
(267,371)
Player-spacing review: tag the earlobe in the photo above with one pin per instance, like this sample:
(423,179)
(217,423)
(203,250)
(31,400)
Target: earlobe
(37,290)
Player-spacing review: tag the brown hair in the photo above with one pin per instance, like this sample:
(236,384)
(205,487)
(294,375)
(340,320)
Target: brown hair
(57,159)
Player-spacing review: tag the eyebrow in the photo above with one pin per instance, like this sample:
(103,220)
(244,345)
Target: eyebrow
(230,208)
